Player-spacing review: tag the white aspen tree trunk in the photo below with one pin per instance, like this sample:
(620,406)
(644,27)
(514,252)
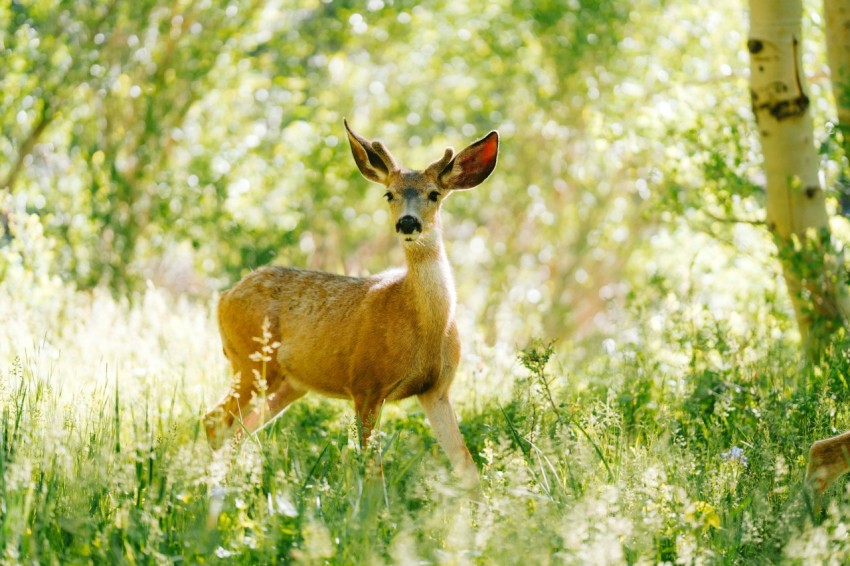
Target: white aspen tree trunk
(796,210)
(837,18)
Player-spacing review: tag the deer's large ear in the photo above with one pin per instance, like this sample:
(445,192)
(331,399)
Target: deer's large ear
(372,158)
(472,165)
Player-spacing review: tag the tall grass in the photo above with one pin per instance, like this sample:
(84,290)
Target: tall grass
(679,437)
(102,458)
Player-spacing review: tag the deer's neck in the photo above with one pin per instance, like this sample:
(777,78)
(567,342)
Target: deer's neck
(429,280)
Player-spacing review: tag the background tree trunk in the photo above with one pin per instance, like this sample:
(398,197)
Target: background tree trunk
(796,211)
(837,18)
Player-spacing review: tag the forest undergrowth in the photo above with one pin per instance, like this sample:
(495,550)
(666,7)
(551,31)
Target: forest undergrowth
(683,443)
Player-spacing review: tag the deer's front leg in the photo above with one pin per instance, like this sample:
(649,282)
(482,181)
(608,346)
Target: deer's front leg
(440,414)
(367,411)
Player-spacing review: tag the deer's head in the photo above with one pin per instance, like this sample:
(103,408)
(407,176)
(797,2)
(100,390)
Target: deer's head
(415,196)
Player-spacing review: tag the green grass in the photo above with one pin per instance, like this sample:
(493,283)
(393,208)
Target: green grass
(620,457)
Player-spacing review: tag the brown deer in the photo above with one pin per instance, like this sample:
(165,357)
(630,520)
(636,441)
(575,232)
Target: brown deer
(829,459)
(374,339)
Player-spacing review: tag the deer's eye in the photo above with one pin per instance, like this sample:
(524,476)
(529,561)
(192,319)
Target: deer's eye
(434,196)
(388,196)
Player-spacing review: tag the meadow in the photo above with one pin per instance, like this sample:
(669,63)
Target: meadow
(684,441)
(632,384)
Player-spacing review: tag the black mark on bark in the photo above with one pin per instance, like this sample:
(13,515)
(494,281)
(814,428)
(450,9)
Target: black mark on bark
(773,95)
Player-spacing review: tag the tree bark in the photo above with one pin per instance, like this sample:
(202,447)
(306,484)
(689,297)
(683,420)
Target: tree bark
(837,17)
(796,209)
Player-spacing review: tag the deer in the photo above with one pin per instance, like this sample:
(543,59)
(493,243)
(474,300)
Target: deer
(829,459)
(372,339)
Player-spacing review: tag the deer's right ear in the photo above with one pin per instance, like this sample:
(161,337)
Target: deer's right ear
(372,158)
(472,165)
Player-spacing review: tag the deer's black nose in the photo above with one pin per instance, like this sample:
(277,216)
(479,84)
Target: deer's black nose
(408,225)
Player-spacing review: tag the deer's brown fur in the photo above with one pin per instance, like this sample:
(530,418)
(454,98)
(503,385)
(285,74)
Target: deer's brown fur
(829,459)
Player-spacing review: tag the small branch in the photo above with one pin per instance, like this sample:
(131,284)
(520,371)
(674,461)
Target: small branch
(734,219)
(27,147)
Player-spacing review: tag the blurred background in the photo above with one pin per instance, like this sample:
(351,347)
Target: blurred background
(182,144)
(152,152)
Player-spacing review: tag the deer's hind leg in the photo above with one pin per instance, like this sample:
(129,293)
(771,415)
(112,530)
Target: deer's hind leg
(277,401)
(235,411)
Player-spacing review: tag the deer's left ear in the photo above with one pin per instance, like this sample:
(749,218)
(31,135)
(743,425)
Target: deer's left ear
(472,165)
(373,159)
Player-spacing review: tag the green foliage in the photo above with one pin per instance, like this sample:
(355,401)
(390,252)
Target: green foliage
(147,135)
(155,150)
(684,461)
